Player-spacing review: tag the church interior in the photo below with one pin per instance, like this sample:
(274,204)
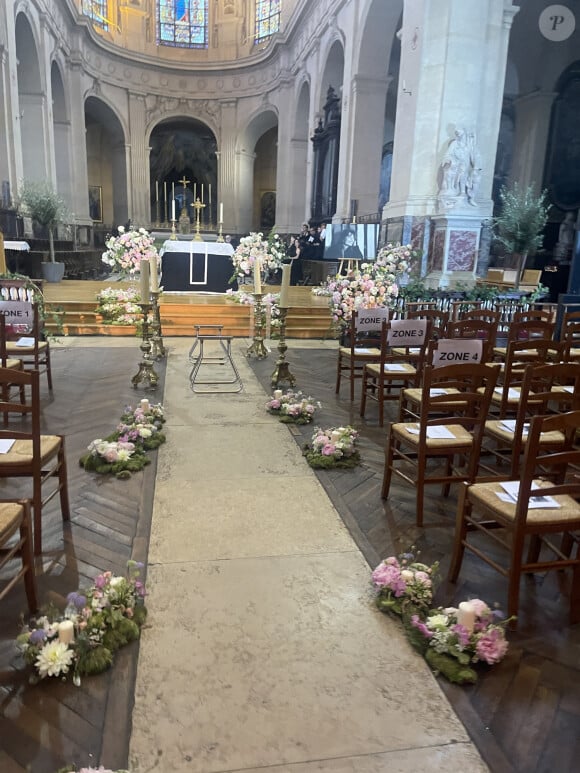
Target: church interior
(345,124)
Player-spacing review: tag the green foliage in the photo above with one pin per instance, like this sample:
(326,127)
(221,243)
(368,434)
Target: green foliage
(41,203)
(320,462)
(414,291)
(451,668)
(523,216)
(121,470)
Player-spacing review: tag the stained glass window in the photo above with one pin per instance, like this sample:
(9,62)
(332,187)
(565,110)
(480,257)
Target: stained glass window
(267,18)
(97,10)
(182,23)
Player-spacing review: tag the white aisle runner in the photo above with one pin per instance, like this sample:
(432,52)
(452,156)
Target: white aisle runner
(263,650)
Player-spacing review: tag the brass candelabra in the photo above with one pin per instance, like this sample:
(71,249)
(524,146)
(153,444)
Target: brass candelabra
(282,372)
(257,348)
(158,349)
(220,237)
(146,372)
(173,236)
(198,206)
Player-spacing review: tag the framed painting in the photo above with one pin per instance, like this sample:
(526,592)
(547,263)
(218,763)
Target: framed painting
(96,203)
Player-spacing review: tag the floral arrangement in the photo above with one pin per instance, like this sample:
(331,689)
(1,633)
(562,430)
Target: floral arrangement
(398,259)
(94,625)
(100,769)
(452,639)
(403,583)
(292,407)
(334,447)
(369,287)
(124,451)
(270,305)
(119,307)
(126,251)
(252,248)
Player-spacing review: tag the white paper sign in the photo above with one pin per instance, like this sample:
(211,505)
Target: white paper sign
(512,489)
(371,319)
(17,312)
(25,342)
(456,351)
(404,332)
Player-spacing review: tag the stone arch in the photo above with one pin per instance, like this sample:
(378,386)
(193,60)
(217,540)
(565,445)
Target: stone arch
(256,155)
(31,101)
(107,163)
(183,148)
(298,177)
(332,72)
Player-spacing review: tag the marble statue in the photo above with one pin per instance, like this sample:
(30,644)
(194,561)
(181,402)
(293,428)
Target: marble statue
(460,170)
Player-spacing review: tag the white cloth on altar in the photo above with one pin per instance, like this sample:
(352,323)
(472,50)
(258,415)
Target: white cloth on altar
(18,246)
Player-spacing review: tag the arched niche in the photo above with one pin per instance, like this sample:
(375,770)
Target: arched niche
(562,174)
(31,100)
(62,135)
(106,164)
(257,168)
(183,165)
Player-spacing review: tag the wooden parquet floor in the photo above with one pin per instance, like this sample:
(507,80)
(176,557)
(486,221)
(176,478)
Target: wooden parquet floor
(46,726)
(524,713)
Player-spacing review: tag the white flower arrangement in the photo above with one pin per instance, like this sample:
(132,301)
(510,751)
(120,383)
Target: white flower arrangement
(292,407)
(126,251)
(255,247)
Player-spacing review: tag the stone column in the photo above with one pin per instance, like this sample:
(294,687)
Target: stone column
(285,161)
(245,202)
(78,151)
(450,80)
(226,174)
(532,127)
(138,196)
(10,149)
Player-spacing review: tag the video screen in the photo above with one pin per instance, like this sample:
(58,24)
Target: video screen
(351,241)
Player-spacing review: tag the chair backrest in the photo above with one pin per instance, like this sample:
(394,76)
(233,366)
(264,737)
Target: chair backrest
(475,328)
(552,465)
(570,330)
(458,308)
(487,315)
(455,351)
(21,318)
(533,315)
(526,329)
(365,328)
(28,407)
(437,317)
(407,333)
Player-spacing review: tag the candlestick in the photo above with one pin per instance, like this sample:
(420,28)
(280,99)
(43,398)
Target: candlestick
(221,212)
(157,349)
(285,288)
(144,269)
(154,274)
(466,615)
(257,277)
(146,372)
(257,347)
(282,370)
(66,632)
(173,209)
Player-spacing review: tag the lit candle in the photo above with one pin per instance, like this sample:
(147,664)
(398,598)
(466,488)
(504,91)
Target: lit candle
(466,615)
(144,405)
(285,289)
(221,212)
(144,281)
(156,190)
(66,632)
(202,193)
(173,209)
(257,277)
(154,274)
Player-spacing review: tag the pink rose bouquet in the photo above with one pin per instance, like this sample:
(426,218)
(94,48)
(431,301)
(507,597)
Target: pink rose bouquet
(292,407)
(403,583)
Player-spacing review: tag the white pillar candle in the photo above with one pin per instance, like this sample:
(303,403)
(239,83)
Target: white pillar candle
(466,616)
(257,277)
(285,289)
(202,193)
(194,192)
(144,286)
(209,194)
(154,274)
(156,190)
(173,209)
(144,405)
(66,632)
(221,212)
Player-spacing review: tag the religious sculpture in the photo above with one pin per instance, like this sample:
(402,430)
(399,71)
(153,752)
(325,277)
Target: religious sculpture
(460,170)
(563,248)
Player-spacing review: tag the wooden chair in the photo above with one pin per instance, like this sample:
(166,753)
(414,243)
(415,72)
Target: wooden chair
(451,420)
(364,345)
(459,308)
(487,315)
(26,342)
(33,455)
(403,346)
(15,519)
(570,335)
(8,362)
(544,389)
(475,328)
(525,330)
(509,524)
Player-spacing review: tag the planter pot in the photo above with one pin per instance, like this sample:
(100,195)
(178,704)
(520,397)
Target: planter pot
(52,272)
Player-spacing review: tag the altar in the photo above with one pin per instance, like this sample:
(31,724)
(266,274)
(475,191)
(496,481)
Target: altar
(188,266)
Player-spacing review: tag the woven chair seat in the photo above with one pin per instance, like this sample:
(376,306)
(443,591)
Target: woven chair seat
(10,517)
(487,495)
(461,439)
(495,428)
(361,352)
(403,369)
(21,451)
(13,348)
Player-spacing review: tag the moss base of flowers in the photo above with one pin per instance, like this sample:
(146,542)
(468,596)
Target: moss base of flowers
(121,470)
(291,419)
(320,462)
(450,668)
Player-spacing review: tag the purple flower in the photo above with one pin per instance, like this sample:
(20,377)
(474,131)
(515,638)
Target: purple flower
(420,626)
(37,636)
(76,600)
(491,646)
(462,634)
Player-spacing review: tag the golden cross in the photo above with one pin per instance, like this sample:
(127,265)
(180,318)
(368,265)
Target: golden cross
(184,182)
(198,206)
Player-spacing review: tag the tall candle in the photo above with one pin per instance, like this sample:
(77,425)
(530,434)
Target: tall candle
(172,190)
(194,192)
(66,632)
(257,277)
(173,209)
(144,286)
(285,289)
(202,193)
(154,274)
(221,212)
(209,193)
(466,615)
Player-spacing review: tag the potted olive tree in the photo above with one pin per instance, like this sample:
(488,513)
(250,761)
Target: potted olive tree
(45,207)
(519,226)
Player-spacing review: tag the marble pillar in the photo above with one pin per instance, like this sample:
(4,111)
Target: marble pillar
(227,165)
(454,249)
(138,193)
(532,127)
